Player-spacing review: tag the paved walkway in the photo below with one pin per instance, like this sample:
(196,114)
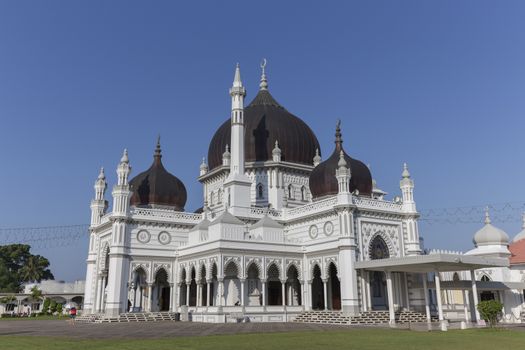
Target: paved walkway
(149,329)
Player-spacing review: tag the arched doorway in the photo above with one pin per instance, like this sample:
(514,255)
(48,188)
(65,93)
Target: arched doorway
(317,289)
(193,288)
(183,289)
(334,288)
(254,286)
(232,285)
(204,287)
(139,290)
(274,286)
(293,286)
(378,250)
(161,292)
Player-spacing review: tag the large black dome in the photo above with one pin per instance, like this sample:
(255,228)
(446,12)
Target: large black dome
(266,121)
(156,186)
(323,181)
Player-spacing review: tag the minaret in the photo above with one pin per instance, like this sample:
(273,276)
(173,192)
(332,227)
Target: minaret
(226,156)
(203,169)
(343,175)
(276,152)
(237,93)
(237,186)
(317,157)
(98,204)
(117,297)
(276,195)
(409,208)
(98,208)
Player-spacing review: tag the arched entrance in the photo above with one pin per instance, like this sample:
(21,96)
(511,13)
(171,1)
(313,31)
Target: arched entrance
(254,286)
(232,285)
(378,250)
(293,287)
(317,289)
(204,287)
(334,288)
(183,289)
(139,290)
(193,288)
(161,292)
(274,286)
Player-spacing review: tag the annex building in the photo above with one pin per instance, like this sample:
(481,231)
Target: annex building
(282,232)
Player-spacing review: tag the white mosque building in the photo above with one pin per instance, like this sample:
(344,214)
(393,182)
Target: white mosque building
(282,235)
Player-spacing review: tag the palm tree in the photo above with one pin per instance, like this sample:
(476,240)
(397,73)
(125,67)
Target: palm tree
(35,269)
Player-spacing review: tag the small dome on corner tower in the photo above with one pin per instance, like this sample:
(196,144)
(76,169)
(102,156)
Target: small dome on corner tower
(157,187)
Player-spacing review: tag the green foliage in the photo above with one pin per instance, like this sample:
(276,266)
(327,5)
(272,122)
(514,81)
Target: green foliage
(36,294)
(18,265)
(45,306)
(489,311)
(59,308)
(53,306)
(7,299)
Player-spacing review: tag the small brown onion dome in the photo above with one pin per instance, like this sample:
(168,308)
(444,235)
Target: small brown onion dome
(157,187)
(266,121)
(323,181)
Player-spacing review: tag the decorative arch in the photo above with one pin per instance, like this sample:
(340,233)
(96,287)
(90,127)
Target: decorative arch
(380,246)
(104,255)
(485,278)
(234,260)
(297,267)
(277,265)
(260,191)
(327,264)
(257,266)
(183,275)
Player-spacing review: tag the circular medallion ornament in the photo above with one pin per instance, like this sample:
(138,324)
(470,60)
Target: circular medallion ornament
(164,238)
(328,228)
(313,231)
(143,236)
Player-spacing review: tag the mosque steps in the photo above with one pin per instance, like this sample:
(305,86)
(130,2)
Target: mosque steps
(129,317)
(365,318)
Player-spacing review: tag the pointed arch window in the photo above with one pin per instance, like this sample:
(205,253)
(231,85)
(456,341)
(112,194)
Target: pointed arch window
(290,191)
(378,249)
(303,193)
(260,191)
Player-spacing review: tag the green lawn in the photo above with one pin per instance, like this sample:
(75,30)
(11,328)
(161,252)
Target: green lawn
(352,339)
(37,318)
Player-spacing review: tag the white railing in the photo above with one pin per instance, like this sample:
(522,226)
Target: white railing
(172,215)
(374,204)
(324,204)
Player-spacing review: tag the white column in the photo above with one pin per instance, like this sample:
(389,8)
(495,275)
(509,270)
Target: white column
(263,292)
(199,295)
(150,296)
(474,295)
(283,291)
(188,293)
(425,293)
(310,297)
(172,296)
(438,295)
(221,292)
(325,292)
(208,291)
(406,291)
(390,293)
(466,305)
(242,292)
(134,298)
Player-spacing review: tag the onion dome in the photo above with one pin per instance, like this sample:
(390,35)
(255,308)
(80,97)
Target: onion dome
(266,121)
(521,234)
(490,235)
(157,187)
(323,181)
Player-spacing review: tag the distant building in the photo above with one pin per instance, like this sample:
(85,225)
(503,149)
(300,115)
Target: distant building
(68,294)
(281,232)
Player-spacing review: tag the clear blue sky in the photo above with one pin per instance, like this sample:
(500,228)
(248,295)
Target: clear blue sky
(438,84)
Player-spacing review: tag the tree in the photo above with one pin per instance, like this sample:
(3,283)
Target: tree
(489,311)
(36,294)
(59,308)
(18,265)
(53,307)
(45,307)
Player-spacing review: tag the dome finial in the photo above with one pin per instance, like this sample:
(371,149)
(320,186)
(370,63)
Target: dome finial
(125,158)
(487,216)
(405,174)
(338,136)
(264,83)
(317,157)
(158,151)
(342,161)
(101,175)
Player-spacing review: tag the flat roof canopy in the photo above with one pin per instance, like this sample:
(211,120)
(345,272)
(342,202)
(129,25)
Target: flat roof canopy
(432,263)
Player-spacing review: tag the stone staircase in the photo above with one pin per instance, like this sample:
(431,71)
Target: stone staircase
(129,317)
(325,317)
(367,318)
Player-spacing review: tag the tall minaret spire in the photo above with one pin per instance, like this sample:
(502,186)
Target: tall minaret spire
(237,186)
(264,83)
(237,93)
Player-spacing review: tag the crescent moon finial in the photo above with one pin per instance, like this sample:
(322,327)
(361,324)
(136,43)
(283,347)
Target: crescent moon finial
(263,64)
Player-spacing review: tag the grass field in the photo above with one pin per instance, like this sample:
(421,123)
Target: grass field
(352,339)
(38,318)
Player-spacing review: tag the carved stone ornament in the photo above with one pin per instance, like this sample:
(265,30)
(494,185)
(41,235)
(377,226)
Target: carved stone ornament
(313,231)
(328,228)
(164,237)
(143,236)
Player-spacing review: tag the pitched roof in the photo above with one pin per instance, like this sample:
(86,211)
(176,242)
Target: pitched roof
(266,221)
(227,218)
(517,251)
